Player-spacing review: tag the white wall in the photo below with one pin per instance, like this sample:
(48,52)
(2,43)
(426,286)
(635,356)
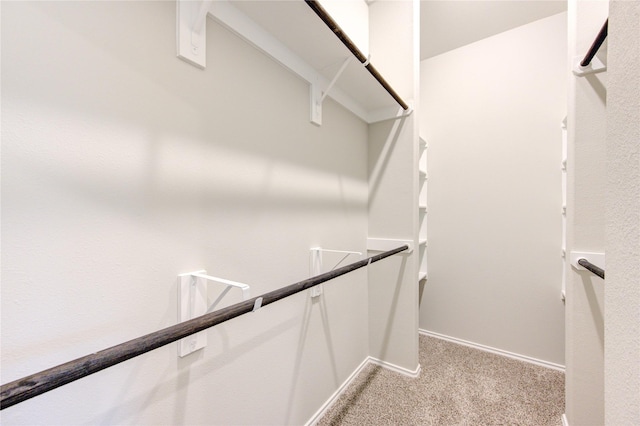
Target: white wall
(491,114)
(586,189)
(393,199)
(122,167)
(622,291)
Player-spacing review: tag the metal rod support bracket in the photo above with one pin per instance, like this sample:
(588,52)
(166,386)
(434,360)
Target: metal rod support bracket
(383,244)
(316,264)
(597,259)
(318,95)
(595,66)
(193,302)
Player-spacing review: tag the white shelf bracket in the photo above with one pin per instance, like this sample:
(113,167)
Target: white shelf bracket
(388,114)
(595,258)
(315,108)
(192,303)
(385,244)
(596,66)
(317,95)
(315,264)
(191,31)
(245,288)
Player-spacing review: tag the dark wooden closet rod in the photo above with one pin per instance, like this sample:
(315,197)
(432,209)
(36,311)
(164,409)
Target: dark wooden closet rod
(22,389)
(591,267)
(596,45)
(333,26)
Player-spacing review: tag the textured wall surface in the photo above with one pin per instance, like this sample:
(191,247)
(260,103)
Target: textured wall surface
(622,293)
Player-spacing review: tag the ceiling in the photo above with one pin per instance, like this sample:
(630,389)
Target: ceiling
(448,24)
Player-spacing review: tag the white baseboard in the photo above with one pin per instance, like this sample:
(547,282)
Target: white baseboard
(496,351)
(333,398)
(368,360)
(411,373)
(415,373)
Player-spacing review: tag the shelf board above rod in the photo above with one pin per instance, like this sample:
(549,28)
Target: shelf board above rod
(298,28)
(292,34)
(335,28)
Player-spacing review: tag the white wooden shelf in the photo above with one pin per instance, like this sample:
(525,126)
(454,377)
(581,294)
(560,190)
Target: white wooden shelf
(293,35)
(296,26)
(422,206)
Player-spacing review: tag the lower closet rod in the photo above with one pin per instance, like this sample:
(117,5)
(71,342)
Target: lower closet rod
(591,267)
(36,384)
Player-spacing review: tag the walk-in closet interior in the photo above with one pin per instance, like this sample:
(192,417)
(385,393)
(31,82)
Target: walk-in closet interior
(222,212)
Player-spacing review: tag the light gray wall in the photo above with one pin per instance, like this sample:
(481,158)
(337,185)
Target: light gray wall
(393,199)
(622,291)
(122,167)
(491,113)
(586,189)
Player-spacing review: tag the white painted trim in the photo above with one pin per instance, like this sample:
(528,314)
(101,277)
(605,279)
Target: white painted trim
(496,351)
(596,66)
(333,398)
(597,259)
(565,422)
(404,371)
(385,244)
(368,360)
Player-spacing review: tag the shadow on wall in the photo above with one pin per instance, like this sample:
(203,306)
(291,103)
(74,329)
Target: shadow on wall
(191,369)
(598,86)
(152,140)
(304,329)
(392,306)
(174,106)
(172,99)
(591,284)
(382,152)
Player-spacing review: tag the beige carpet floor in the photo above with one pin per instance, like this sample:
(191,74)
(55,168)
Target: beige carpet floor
(458,385)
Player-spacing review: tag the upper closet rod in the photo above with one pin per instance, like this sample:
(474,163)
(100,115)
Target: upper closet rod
(322,13)
(591,267)
(22,389)
(596,45)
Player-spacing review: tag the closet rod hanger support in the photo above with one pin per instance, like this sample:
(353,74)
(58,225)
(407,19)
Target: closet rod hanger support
(317,95)
(337,76)
(591,267)
(590,64)
(245,288)
(383,244)
(316,264)
(193,302)
(594,262)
